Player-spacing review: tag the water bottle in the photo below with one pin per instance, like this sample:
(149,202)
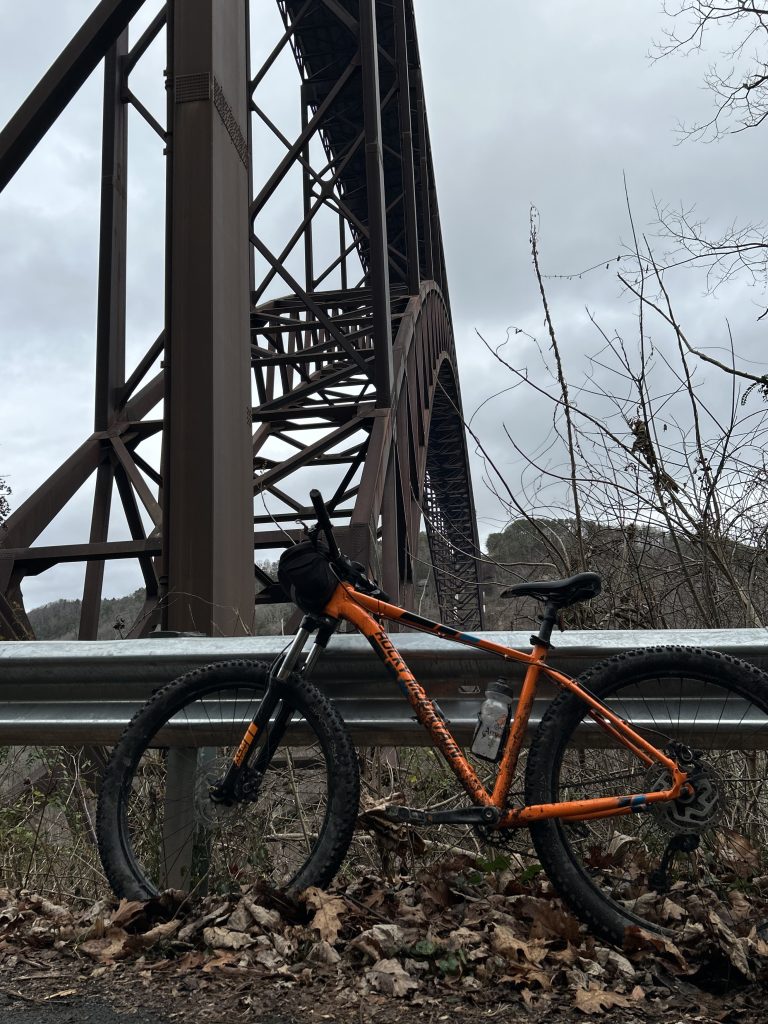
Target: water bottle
(493,720)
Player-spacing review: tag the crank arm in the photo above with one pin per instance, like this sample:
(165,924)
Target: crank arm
(461,816)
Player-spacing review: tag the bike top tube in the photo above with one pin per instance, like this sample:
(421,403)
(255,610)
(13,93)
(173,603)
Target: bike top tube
(346,604)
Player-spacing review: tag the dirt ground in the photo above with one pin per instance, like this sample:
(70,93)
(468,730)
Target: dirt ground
(60,991)
(440,947)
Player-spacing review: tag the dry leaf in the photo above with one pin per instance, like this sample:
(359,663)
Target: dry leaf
(462,938)
(269,920)
(186,933)
(527,975)
(51,910)
(328,910)
(284,946)
(157,934)
(737,851)
(388,976)
(548,919)
(529,998)
(619,847)
(670,911)
(507,944)
(272,961)
(127,913)
(323,953)
(595,1000)
(380,941)
(611,958)
(224,938)
(736,949)
(638,940)
(222,962)
(108,948)
(740,905)
(240,919)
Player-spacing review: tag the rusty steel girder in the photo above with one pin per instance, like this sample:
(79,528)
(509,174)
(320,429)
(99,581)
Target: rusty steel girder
(354,378)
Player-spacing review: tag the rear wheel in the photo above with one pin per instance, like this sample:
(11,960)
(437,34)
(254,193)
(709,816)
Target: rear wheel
(673,865)
(158,826)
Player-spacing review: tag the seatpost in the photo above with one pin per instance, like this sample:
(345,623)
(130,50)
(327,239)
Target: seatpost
(548,620)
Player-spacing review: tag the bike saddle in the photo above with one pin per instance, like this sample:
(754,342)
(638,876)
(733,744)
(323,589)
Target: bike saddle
(562,593)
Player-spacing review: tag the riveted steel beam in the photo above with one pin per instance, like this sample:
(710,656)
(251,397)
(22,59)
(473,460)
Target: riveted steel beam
(207,502)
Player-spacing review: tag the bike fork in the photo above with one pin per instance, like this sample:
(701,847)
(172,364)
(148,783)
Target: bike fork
(288,662)
(227,789)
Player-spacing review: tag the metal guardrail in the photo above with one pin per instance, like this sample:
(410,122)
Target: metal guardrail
(76,692)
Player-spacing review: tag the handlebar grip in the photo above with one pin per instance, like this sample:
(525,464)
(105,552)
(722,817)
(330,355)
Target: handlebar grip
(324,522)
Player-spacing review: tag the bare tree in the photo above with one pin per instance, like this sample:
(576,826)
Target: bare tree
(738,81)
(5,508)
(653,472)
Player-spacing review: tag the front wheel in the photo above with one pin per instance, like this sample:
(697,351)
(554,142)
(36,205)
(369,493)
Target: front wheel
(158,826)
(671,866)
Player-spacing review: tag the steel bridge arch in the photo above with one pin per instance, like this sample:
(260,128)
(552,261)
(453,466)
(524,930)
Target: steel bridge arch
(423,438)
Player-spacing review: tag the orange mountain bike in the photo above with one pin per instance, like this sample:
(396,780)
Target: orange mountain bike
(645,783)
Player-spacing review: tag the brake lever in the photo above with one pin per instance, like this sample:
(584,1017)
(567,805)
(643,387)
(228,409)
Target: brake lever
(372,589)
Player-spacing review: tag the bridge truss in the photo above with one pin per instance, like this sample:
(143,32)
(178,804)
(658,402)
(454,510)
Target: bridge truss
(317,352)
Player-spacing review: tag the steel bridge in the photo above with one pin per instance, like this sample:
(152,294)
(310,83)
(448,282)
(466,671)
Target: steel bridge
(323,356)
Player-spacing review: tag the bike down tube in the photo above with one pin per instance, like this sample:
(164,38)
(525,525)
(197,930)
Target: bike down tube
(354,607)
(574,810)
(343,606)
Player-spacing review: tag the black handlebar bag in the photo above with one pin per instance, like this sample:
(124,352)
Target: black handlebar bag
(306,576)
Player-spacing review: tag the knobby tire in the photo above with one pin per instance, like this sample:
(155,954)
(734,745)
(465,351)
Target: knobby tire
(293,835)
(604,869)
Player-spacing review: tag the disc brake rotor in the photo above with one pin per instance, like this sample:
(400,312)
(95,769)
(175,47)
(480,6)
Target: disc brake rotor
(692,812)
(209,812)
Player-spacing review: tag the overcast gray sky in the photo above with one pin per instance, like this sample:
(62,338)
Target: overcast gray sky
(528,103)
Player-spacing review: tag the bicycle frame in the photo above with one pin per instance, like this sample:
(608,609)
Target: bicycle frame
(365,612)
(359,609)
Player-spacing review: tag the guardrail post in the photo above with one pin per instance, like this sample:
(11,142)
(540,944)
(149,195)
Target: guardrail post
(179,816)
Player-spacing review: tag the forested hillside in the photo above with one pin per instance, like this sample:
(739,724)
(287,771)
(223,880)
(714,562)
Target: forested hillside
(651,580)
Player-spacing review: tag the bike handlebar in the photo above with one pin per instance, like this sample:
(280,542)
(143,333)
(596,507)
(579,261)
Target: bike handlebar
(324,522)
(350,571)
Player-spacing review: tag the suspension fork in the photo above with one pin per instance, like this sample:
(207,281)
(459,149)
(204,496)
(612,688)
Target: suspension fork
(224,790)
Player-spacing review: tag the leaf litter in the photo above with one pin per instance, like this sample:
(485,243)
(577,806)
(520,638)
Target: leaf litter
(450,935)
